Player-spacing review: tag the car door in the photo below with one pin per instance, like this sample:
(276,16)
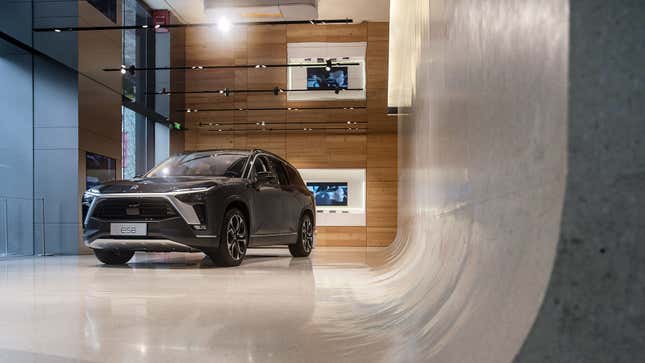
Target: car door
(288,198)
(267,200)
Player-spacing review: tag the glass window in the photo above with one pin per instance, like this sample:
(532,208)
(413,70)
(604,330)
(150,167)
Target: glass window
(259,165)
(162,142)
(294,176)
(129,143)
(202,164)
(279,171)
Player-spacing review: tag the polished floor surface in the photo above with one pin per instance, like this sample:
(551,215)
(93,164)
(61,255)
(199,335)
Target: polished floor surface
(179,307)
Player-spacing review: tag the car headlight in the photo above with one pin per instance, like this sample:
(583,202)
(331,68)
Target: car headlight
(192,195)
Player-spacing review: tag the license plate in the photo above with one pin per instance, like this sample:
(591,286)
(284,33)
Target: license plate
(128,229)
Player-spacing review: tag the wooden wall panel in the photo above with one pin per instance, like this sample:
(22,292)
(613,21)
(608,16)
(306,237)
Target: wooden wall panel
(375,150)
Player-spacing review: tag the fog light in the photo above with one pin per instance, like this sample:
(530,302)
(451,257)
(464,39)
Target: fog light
(200,227)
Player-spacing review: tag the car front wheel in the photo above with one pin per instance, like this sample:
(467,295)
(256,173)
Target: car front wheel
(233,241)
(305,242)
(113,257)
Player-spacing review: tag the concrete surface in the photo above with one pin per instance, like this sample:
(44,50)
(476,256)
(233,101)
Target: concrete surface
(594,309)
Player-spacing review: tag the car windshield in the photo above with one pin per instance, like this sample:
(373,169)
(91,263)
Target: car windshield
(225,164)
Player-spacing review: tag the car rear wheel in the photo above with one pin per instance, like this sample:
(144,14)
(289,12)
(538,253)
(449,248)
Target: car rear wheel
(305,242)
(234,240)
(113,257)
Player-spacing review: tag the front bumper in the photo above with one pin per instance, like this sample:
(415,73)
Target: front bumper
(175,232)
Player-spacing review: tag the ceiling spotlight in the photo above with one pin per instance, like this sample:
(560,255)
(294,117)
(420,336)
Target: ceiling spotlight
(197,67)
(227,92)
(240,109)
(257,66)
(263,123)
(144,26)
(131,70)
(328,66)
(349,122)
(276,90)
(189,110)
(210,124)
(337,90)
(224,25)
(157,26)
(221,91)
(123,70)
(312,22)
(220,130)
(57,30)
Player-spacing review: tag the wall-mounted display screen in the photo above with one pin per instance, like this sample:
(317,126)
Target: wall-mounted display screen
(334,194)
(98,169)
(319,78)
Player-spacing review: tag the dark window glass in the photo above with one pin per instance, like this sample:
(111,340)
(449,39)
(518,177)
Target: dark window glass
(107,7)
(259,165)
(279,171)
(201,164)
(294,176)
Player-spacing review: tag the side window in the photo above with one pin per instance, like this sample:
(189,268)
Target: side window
(294,176)
(259,165)
(279,171)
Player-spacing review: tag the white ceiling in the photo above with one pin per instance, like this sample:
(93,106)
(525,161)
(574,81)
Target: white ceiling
(192,11)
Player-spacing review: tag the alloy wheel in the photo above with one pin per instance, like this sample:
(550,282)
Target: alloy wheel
(307,234)
(236,240)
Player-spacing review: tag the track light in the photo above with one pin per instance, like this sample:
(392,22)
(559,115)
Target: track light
(268,109)
(276,90)
(328,66)
(132,69)
(224,25)
(123,70)
(337,90)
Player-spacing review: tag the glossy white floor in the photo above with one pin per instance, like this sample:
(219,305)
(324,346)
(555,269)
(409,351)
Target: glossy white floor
(179,307)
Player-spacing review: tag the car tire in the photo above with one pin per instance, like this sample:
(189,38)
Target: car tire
(113,257)
(234,240)
(305,242)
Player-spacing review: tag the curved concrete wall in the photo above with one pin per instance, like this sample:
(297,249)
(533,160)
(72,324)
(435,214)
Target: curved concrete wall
(482,172)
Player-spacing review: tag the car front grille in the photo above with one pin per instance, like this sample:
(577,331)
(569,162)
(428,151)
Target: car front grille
(149,209)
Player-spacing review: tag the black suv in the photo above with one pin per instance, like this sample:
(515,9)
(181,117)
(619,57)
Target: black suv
(220,202)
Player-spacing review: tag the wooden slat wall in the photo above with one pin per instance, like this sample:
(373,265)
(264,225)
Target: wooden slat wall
(375,150)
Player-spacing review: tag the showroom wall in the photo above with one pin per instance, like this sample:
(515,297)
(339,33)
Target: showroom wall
(372,147)
(49,132)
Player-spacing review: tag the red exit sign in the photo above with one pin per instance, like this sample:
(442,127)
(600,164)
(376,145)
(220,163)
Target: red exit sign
(161,18)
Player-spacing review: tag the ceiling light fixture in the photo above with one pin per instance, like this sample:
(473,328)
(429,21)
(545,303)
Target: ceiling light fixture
(224,25)
(328,65)
(238,66)
(270,109)
(219,24)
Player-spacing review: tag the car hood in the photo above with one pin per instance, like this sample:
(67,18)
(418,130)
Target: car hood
(161,185)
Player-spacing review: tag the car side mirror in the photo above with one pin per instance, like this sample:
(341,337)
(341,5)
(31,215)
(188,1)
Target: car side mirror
(264,177)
